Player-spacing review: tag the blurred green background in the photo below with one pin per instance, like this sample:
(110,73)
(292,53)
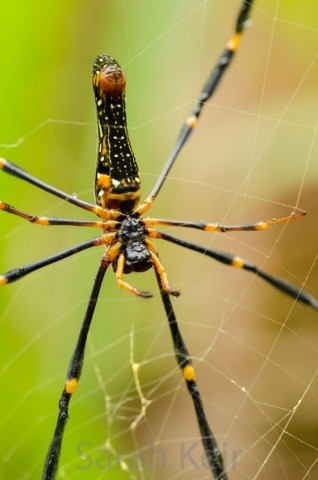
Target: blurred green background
(253,157)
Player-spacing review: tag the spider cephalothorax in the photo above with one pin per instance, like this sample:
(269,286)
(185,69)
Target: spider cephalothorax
(132,236)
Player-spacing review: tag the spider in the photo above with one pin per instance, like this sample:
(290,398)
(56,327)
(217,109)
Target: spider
(128,236)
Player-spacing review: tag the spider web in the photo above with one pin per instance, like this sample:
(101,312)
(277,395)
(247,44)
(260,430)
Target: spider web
(252,157)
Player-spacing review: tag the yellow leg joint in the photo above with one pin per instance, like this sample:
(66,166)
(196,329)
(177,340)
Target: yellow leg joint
(71,385)
(3,280)
(192,121)
(188,372)
(238,262)
(234,42)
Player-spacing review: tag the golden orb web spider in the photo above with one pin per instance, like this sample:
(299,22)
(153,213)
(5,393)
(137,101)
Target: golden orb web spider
(125,208)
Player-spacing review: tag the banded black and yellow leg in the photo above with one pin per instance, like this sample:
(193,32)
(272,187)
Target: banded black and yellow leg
(17,273)
(107,225)
(206,93)
(217,227)
(211,449)
(238,262)
(73,376)
(16,171)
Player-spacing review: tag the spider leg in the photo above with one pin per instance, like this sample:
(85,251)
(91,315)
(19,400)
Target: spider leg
(207,92)
(211,449)
(160,269)
(108,225)
(16,171)
(217,227)
(238,262)
(162,274)
(114,253)
(73,376)
(17,273)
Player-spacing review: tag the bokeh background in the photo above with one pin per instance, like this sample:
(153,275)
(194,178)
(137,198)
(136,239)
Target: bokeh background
(253,157)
